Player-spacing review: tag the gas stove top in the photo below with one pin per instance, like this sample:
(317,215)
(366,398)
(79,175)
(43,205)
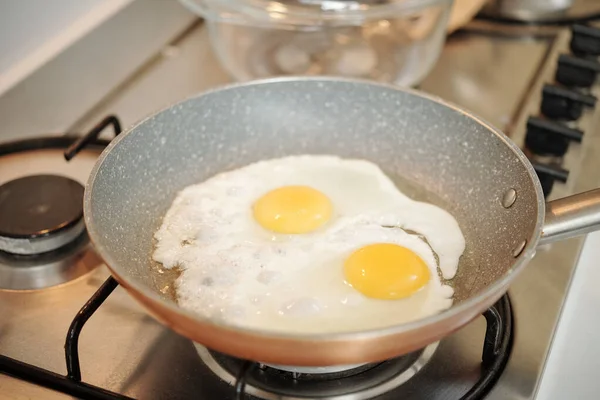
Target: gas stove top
(537,84)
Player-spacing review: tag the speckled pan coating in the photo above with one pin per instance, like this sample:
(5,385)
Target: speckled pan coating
(435,152)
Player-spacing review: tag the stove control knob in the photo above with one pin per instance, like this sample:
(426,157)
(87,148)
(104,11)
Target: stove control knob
(551,138)
(563,103)
(548,174)
(578,72)
(585,40)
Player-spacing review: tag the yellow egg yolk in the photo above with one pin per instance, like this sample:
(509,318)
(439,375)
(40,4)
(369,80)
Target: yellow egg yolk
(386,271)
(292,209)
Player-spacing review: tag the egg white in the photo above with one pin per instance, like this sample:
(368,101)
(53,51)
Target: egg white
(236,271)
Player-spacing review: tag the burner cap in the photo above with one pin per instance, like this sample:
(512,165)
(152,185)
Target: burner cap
(40,213)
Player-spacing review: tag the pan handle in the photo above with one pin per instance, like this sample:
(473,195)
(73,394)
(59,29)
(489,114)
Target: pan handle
(571,216)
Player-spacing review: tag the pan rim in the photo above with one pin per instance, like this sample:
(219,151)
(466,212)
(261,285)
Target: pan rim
(141,290)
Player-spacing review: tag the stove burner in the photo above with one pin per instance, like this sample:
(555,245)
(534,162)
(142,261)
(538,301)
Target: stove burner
(358,383)
(51,246)
(316,373)
(26,272)
(40,213)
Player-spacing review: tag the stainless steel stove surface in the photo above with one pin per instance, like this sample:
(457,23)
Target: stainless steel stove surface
(498,72)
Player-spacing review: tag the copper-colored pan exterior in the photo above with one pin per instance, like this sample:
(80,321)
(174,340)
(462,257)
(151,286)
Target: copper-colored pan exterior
(301,351)
(463,164)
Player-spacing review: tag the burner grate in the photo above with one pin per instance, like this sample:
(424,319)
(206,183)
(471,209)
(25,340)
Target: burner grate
(496,346)
(496,350)
(364,382)
(43,240)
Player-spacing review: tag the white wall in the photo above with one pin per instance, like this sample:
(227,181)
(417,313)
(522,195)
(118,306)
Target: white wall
(34,31)
(55,96)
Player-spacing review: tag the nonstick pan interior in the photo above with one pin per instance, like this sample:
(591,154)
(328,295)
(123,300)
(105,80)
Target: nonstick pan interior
(433,151)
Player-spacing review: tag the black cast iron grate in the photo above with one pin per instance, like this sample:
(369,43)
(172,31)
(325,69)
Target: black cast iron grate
(496,346)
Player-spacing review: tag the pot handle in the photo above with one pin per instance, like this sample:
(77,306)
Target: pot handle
(571,216)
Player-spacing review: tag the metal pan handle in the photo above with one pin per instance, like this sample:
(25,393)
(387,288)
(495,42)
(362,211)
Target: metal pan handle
(571,216)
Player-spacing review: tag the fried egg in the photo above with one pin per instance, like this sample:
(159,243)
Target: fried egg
(308,244)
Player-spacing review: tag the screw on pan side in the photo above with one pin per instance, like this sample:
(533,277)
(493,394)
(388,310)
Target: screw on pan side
(509,198)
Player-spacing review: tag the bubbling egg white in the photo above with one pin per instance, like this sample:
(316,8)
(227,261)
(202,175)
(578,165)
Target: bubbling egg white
(236,271)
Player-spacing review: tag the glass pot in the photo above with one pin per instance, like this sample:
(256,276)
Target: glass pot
(395,41)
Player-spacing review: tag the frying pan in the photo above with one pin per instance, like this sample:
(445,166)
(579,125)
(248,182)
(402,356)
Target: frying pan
(434,151)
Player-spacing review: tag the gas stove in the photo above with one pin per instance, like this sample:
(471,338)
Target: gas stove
(67,328)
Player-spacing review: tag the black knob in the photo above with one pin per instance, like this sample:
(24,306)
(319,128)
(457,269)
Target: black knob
(585,40)
(547,183)
(546,137)
(563,103)
(548,174)
(578,72)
